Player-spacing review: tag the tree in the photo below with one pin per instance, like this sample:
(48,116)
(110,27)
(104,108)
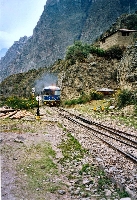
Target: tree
(78,52)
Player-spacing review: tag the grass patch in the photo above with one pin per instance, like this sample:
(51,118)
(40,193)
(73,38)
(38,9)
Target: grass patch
(103,180)
(88,169)
(71,149)
(122,193)
(84,98)
(60,125)
(48,112)
(39,167)
(128,121)
(23,126)
(17,126)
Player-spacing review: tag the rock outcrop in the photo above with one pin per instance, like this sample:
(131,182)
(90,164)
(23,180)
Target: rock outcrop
(7,62)
(127,69)
(95,73)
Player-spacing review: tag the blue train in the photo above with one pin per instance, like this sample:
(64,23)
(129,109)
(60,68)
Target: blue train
(51,95)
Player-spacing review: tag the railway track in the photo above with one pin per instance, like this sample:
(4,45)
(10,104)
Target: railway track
(123,142)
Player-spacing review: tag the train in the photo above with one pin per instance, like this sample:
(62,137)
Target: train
(50,95)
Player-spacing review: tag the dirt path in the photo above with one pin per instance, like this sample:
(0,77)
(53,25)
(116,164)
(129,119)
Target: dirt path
(17,138)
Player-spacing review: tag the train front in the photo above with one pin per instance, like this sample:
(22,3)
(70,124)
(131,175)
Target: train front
(51,95)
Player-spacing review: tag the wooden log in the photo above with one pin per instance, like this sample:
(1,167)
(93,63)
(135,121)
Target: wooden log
(3,110)
(9,114)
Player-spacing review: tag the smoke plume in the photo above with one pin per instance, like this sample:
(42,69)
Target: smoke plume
(46,80)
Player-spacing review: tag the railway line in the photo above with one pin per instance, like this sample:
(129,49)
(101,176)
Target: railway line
(123,142)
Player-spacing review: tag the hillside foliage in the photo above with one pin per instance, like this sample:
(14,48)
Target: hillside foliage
(126,97)
(20,103)
(79,52)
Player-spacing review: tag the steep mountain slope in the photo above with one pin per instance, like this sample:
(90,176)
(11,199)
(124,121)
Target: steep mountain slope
(125,21)
(14,52)
(95,72)
(61,23)
(127,69)
(74,79)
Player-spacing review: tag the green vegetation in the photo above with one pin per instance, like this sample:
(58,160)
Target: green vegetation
(71,149)
(84,98)
(39,166)
(122,193)
(129,121)
(48,112)
(87,168)
(21,126)
(79,52)
(99,109)
(114,52)
(94,95)
(81,100)
(126,97)
(20,103)
(103,180)
(60,125)
(135,109)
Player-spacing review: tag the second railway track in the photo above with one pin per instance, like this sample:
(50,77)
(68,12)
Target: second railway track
(123,142)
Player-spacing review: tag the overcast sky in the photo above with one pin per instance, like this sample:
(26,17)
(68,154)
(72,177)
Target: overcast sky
(17,19)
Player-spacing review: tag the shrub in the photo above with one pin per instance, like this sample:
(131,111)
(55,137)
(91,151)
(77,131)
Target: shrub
(84,98)
(96,95)
(20,103)
(97,51)
(70,102)
(125,97)
(81,100)
(80,51)
(115,52)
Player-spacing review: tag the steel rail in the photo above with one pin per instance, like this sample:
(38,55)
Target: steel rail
(110,129)
(116,131)
(128,155)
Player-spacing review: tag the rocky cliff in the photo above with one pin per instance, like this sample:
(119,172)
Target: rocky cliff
(14,52)
(75,79)
(61,23)
(96,73)
(127,69)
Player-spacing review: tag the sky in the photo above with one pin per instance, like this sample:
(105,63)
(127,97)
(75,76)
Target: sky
(17,19)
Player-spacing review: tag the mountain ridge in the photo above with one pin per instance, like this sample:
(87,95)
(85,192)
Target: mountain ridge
(61,23)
